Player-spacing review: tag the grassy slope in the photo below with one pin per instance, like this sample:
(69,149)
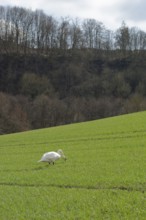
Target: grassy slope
(103,178)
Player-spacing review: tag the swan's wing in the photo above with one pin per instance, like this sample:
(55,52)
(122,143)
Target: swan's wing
(50,156)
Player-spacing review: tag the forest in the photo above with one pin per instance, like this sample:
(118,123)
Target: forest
(55,72)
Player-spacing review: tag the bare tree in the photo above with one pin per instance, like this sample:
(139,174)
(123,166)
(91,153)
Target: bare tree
(75,34)
(12,116)
(93,33)
(63,34)
(122,37)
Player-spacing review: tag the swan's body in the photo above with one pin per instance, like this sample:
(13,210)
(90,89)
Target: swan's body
(52,156)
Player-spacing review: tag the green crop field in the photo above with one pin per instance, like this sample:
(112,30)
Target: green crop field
(104,176)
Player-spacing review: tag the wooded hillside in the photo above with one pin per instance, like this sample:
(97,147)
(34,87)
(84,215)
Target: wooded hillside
(58,72)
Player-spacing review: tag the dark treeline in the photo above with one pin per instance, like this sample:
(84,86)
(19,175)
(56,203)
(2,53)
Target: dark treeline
(58,72)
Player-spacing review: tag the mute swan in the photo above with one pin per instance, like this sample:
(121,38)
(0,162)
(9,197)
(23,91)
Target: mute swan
(50,157)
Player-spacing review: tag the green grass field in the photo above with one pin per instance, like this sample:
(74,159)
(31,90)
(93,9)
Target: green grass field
(104,176)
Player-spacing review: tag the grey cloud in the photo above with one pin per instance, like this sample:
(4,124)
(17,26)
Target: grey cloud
(134,10)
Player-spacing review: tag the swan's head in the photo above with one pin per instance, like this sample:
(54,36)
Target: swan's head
(60,152)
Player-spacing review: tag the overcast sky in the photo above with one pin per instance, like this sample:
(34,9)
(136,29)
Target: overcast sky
(110,12)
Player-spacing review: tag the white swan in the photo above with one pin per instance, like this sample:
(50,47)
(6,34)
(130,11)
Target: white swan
(52,156)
